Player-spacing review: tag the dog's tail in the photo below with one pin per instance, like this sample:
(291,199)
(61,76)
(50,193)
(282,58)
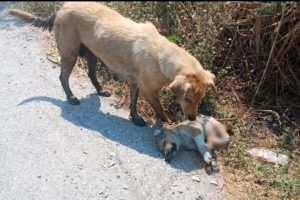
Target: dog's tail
(44,23)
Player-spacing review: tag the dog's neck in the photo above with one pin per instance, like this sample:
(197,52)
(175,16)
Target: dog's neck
(176,61)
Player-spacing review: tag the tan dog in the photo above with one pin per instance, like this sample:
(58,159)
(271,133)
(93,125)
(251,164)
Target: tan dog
(135,52)
(193,135)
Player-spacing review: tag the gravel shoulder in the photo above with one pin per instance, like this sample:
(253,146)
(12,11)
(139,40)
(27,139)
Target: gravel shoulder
(53,150)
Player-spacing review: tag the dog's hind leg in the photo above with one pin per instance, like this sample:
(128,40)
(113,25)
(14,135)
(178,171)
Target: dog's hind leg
(67,65)
(134,93)
(92,63)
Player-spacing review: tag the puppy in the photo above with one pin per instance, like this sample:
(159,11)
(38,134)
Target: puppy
(135,52)
(203,135)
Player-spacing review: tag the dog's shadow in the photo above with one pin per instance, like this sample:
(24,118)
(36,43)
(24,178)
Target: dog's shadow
(120,130)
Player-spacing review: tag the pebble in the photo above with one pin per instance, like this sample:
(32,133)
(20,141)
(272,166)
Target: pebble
(111,164)
(113,154)
(196,178)
(213,182)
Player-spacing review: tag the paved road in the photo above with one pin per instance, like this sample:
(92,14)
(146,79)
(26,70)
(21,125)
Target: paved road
(52,150)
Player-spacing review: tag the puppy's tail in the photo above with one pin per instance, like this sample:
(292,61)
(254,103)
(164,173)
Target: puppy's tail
(44,23)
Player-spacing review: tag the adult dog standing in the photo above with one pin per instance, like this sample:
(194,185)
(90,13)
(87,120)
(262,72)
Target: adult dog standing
(135,52)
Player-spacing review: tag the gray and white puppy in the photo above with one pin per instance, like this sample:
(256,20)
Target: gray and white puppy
(203,135)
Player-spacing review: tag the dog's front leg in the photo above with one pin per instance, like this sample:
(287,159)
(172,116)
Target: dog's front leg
(134,93)
(92,64)
(152,98)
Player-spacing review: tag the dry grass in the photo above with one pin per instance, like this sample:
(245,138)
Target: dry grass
(235,42)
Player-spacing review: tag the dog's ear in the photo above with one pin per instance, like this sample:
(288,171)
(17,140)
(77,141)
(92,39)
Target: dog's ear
(210,81)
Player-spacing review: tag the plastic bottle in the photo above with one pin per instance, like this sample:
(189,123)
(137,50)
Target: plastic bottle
(269,156)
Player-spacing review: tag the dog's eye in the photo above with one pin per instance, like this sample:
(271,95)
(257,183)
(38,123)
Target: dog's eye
(188,100)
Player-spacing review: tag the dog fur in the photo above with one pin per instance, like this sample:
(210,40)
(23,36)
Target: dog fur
(135,52)
(203,135)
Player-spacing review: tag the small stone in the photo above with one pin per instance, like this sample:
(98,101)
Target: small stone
(84,152)
(113,154)
(111,164)
(213,182)
(101,192)
(196,178)
(39,176)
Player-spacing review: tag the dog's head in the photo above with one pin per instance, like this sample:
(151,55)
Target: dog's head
(166,142)
(190,89)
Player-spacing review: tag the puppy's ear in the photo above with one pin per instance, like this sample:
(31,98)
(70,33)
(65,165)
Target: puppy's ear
(174,147)
(158,131)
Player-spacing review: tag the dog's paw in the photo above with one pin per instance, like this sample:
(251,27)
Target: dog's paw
(73,100)
(104,94)
(138,121)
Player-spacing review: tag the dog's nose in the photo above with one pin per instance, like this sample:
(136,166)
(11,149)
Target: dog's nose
(192,118)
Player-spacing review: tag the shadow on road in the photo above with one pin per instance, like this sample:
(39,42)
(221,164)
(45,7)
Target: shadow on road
(120,130)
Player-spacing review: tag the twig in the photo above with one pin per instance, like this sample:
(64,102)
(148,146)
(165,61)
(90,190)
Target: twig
(270,56)
(274,113)
(288,119)
(229,49)
(227,119)
(236,96)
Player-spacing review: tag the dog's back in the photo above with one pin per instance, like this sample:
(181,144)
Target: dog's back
(120,42)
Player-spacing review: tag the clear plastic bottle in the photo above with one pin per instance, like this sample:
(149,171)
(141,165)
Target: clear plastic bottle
(269,156)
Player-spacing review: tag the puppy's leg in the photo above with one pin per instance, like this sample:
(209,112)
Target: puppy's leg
(152,98)
(134,93)
(205,151)
(92,63)
(67,65)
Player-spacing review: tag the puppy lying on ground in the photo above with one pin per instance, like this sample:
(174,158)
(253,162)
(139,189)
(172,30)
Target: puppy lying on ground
(135,52)
(203,135)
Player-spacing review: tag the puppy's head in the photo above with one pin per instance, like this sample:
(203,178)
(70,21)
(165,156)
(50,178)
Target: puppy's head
(189,91)
(166,142)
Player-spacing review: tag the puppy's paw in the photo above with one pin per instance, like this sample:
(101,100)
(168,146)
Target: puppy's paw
(73,100)
(207,157)
(214,166)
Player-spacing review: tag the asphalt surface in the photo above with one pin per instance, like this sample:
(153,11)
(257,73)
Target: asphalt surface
(52,150)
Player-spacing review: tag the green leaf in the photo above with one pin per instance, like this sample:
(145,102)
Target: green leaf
(174,38)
